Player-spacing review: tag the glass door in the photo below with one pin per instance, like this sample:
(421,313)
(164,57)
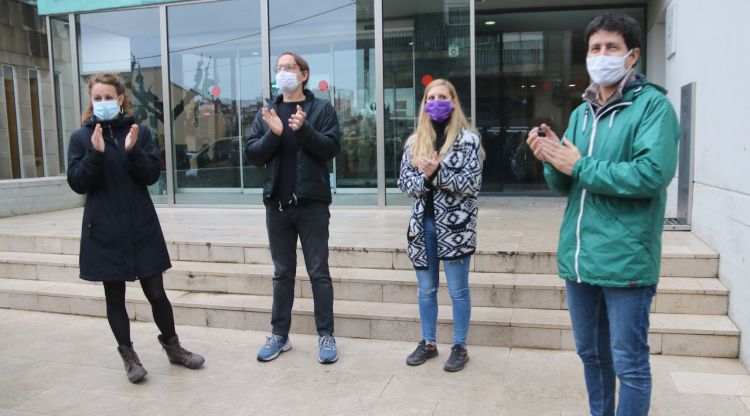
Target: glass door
(422,41)
(530,69)
(216,88)
(336,38)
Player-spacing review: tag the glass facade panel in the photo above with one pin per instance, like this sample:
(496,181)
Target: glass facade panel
(64,85)
(126,42)
(530,69)
(422,41)
(37,150)
(336,37)
(216,89)
(11,153)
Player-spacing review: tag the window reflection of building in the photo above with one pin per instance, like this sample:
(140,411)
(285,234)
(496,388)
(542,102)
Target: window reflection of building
(422,41)
(127,43)
(215,94)
(530,70)
(342,69)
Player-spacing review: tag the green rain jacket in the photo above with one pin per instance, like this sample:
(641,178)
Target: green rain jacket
(611,230)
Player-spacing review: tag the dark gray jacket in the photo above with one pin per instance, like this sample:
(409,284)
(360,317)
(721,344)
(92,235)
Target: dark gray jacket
(318,139)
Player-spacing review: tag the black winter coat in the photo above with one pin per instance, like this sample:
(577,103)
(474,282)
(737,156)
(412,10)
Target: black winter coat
(318,140)
(121,238)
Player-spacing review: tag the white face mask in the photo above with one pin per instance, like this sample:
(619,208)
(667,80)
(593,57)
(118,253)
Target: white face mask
(287,81)
(607,70)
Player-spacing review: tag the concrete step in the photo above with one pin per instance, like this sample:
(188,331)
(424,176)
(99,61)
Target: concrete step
(677,261)
(505,290)
(694,335)
(675,295)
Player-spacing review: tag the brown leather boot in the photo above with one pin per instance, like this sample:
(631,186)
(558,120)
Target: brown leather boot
(132,363)
(179,355)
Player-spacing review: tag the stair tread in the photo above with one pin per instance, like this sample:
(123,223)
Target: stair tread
(676,244)
(677,285)
(514,317)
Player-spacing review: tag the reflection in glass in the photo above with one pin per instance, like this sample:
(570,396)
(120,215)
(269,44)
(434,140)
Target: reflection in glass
(63,84)
(422,41)
(10,168)
(530,69)
(126,42)
(216,89)
(341,55)
(35,152)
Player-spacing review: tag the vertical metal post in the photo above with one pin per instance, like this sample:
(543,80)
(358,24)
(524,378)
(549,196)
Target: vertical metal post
(238,101)
(380,102)
(51,80)
(167,103)
(74,65)
(686,154)
(472,63)
(265,47)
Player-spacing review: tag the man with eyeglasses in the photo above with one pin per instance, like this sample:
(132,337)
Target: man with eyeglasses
(294,138)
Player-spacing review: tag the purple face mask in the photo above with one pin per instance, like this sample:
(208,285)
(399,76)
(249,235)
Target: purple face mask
(439,110)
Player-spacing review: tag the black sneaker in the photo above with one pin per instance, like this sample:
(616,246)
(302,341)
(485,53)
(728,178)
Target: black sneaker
(458,359)
(422,353)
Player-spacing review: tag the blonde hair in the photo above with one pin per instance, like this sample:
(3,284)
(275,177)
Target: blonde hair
(107,79)
(422,142)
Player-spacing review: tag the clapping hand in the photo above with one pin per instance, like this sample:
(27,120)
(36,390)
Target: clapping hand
(272,120)
(548,148)
(428,166)
(97,140)
(297,119)
(131,138)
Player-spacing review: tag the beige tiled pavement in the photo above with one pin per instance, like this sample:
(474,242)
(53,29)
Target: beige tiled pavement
(67,365)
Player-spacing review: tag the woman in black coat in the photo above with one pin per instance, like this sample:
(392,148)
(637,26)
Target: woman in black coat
(112,160)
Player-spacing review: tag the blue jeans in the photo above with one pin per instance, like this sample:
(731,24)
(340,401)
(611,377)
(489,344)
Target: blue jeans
(457,275)
(610,328)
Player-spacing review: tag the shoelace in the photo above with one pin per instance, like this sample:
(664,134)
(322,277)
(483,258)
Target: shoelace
(327,343)
(271,341)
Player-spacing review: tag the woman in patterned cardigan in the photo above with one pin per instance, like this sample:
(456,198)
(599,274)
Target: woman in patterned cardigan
(441,169)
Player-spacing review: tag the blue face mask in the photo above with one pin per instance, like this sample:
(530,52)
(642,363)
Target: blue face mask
(106,110)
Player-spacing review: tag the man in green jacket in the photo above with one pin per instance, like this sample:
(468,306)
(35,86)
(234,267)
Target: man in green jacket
(614,164)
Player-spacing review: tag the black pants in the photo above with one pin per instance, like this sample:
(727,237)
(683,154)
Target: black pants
(309,221)
(117,315)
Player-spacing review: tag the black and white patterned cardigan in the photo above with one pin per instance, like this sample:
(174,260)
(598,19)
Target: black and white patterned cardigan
(456,186)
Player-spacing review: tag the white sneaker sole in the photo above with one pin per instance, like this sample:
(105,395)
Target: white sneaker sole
(336,358)
(286,347)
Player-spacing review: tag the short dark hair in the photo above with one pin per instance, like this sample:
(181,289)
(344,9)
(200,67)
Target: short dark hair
(301,63)
(620,23)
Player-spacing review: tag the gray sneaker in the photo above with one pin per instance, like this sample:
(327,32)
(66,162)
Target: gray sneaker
(275,345)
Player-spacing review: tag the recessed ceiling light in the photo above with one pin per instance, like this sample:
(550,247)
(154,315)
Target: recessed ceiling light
(571,85)
(490,23)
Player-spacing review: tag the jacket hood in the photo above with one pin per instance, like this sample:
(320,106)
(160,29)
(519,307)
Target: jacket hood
(638,85)
(117,121)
